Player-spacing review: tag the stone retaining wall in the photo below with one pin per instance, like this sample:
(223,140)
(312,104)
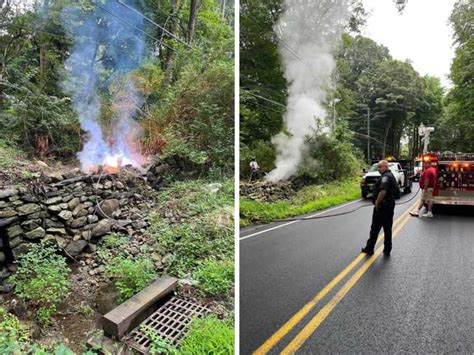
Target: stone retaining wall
(74,212)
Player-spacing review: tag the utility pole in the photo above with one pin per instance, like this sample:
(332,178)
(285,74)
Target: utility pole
(368,134)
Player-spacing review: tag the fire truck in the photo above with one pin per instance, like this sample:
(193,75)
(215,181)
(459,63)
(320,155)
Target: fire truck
(455,174)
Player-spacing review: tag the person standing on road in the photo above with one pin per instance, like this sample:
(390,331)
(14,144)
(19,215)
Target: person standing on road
(427,183)
(384,206)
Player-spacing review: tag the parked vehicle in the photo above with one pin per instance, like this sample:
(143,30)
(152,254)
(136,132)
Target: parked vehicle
(404,180)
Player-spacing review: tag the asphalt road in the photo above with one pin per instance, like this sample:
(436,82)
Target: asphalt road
(420,300)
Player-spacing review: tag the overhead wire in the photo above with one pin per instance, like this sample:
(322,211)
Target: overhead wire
(129,24)
(153,23)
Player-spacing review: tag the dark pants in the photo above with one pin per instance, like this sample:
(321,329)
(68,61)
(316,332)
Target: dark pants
(381,218)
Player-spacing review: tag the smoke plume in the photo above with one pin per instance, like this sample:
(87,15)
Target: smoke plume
(107,47)
(308,33)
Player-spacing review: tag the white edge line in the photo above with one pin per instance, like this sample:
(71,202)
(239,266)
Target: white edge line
(287,224)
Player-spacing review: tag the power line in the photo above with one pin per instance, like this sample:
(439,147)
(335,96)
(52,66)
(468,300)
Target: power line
(130,24)
(264,98)
(153,22)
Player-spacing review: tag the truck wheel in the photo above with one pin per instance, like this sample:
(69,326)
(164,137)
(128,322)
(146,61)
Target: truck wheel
(407,189)
(364,194)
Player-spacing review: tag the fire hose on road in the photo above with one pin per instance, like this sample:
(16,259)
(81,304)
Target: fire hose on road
(342,213)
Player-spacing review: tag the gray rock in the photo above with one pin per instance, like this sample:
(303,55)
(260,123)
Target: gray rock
(108,207)
(53,200)
(92,218)
(14,231)
(124,222)
(30,198)
(37,215)
(90,210)
(88,204)
(102,228)
(55,208)
(56,230)
(76,247)
(73,203)
(83,198)
(65,215)
(35,234)
(8,213)
(3,204)
(31,224)
(54,176)
(2,258)
(86,235)
(29,208)
(8,193)
(13,198)
(15,242)
(7,287)
(63,206)
(79,222)
(89,226)
(83,212)
(67,198)
(54,224)
(119,185)
(21,249)
(76,210)
(17,203)
(108,185)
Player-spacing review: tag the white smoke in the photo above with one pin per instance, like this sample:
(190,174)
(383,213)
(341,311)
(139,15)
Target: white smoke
(309,32)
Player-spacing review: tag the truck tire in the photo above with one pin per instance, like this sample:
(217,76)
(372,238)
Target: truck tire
(364,194)
(407,189)
(399,191)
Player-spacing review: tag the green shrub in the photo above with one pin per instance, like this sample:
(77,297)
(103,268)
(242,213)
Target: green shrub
(42,277)
(215,277)
(209,336)
(130,275)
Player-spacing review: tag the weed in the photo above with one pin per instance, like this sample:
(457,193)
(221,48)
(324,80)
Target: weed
(209,336)
(158,345)
(130,275)
(42,278)
(112,241)
(84,309)
(215,277)
(13,334)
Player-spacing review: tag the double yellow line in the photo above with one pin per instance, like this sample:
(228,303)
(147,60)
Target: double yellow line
(314,323)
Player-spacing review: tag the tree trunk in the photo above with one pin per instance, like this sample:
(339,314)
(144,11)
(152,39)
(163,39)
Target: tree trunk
(42,145)
(168,65)
(192,20)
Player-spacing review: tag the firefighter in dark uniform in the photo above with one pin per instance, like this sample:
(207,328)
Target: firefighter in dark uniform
(382,217)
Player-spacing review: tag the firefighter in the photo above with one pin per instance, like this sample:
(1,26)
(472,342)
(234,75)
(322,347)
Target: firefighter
(427,183)
(384,206)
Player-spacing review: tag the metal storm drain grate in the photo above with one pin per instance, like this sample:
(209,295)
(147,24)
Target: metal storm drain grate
(170,322)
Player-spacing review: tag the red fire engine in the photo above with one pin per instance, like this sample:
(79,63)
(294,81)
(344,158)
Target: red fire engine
(455,174)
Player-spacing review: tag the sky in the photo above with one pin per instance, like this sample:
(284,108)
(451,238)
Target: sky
(421,33)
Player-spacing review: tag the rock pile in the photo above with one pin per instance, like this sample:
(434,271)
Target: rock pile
(266,191)
(73,211)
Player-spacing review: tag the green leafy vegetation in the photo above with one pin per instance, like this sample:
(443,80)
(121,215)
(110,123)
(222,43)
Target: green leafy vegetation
(15,339)
(310,198)
(158,345)
(209,336)
(42,278)
(205,228)
(215,277)
(130,276)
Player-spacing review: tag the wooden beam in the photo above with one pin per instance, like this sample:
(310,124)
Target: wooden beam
(129,314)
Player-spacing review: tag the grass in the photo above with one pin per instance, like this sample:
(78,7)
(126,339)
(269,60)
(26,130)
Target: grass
(309,199)
(215,277)
(210,336)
